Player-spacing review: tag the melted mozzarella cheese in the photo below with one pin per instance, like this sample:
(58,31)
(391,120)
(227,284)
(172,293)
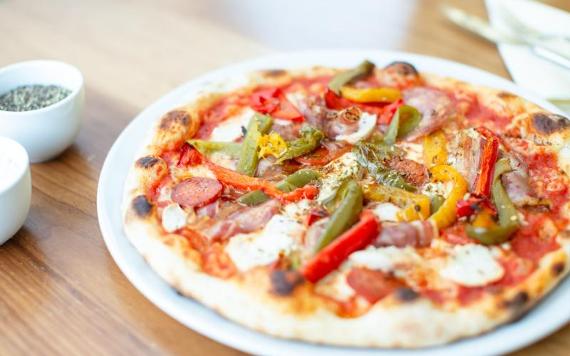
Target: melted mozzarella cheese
(366,125)
(199,171)
(437,188)
(282,122)
(297,211)
(295,98)
(334,173)
(335,286)
(413,151)
(223,160)
(280,235)
(384,258)
(472,265)
(231,129)
(386,212)
(173,218)
(165,194)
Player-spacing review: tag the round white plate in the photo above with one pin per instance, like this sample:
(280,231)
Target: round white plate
(544,319)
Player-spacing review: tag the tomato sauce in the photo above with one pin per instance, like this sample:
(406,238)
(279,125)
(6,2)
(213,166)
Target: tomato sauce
(217,262)
(154,191)
(536,238)
(547,180)
(456,235)
(480,115)
(315,85)
(217,113)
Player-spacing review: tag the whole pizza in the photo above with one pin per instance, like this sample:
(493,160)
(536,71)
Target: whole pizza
(371,206)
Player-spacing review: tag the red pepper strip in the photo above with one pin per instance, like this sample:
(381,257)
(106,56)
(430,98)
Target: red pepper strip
(189,156)
(488,158)
(464,208)
(247,183)
(389,110)
(471,205)
(306,192)
(243,182)
(313,216)
(273,102)
(356,238)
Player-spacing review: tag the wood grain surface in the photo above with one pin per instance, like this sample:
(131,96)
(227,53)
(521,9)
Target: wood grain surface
(60,291)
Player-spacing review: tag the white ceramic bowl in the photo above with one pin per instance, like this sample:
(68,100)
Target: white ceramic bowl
(15,187)
(45,132)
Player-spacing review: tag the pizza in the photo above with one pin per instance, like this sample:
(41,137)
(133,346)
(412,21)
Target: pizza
(373,206)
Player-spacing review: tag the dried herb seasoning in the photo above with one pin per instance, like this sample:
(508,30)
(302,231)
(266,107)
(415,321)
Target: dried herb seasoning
(32,97)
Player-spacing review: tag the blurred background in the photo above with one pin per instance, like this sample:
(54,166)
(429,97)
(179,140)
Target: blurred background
(171,41)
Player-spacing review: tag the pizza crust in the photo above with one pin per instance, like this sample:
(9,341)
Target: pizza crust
(246,298)
(392,323)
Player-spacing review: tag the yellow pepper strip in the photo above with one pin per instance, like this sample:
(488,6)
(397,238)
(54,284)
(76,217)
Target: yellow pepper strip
(271,145)
(370,95)
(415,206)
(447,213)
(435,150)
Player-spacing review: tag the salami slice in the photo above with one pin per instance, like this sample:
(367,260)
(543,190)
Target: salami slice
(196,191)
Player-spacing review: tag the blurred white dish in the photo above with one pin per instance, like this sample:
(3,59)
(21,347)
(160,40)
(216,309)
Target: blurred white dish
(45,132)
(15,187)
(542,320)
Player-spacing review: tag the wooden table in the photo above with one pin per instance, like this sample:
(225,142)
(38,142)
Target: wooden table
(60,291)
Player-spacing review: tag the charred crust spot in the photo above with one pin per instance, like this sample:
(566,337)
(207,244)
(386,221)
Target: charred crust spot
(558,268)
(274,72)
(147,162)
(406,294)
(283,282)
(141,206)
(548,123)
(403,68)
(518,301)
(173,118)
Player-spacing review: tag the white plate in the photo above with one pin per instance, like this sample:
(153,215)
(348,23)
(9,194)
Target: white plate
(548,316)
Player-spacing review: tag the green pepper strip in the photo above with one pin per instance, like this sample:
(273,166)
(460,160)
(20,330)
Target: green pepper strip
(232,149)
(435,202)
(345,215)
(339,80)
(404,121)
(508,216)
(308,142)
(258,125)
(296,180)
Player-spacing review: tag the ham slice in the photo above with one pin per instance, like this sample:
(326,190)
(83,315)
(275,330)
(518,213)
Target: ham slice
(517,184)
(465,154)
(314,110)
(434,105)
(344,122)
(286,129)
(243,221)
(415,234)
